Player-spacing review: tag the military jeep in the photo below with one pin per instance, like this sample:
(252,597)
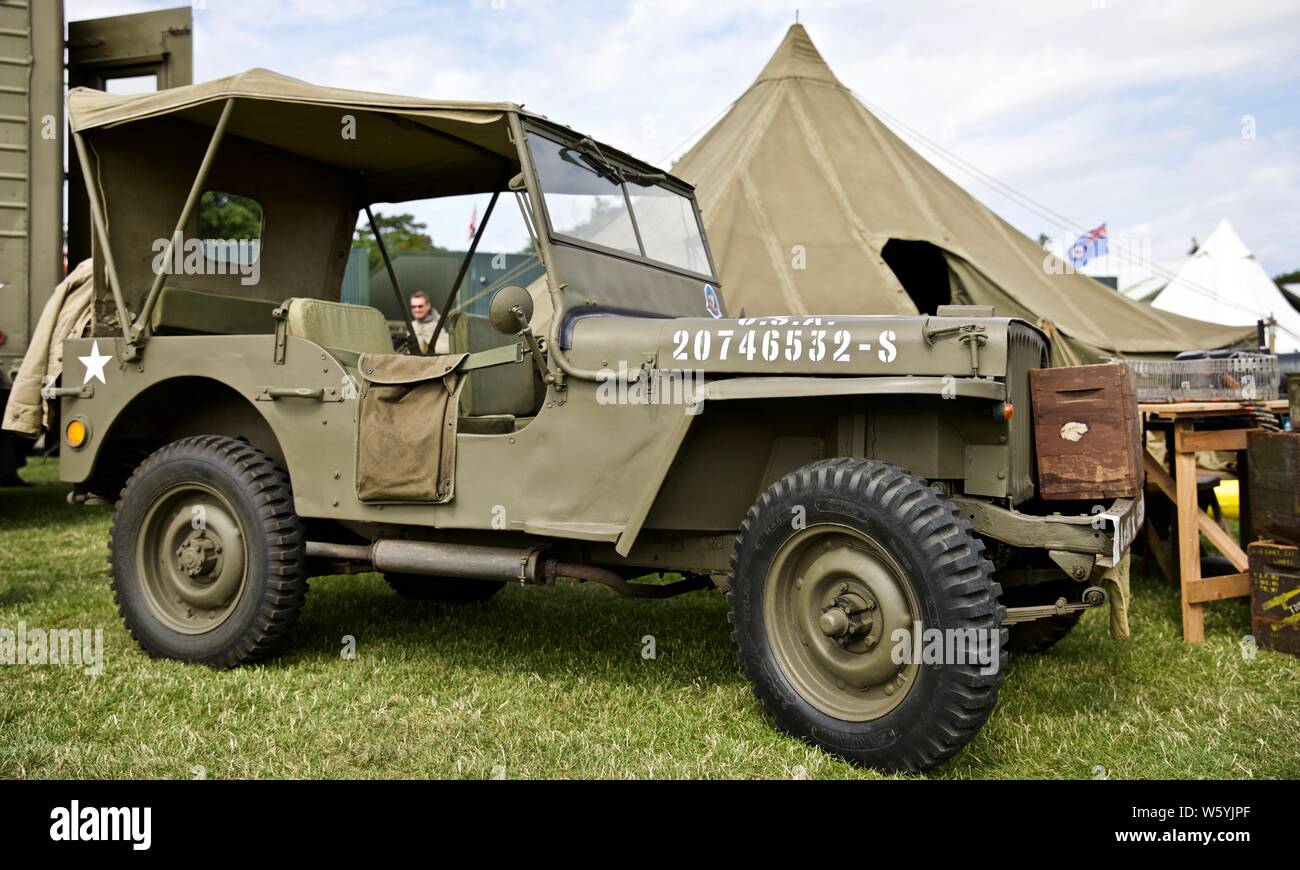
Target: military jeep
(857,486)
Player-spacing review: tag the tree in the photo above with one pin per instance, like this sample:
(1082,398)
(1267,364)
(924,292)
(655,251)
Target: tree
(1292,277)
(227,216)
(402,234)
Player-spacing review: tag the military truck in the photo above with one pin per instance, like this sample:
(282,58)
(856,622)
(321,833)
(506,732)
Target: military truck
(33,258)
(857,486)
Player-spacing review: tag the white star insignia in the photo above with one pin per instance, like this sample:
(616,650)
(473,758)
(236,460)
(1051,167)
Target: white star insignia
(94,365)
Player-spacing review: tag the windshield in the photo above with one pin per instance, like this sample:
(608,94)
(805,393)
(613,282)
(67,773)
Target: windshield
(587,200)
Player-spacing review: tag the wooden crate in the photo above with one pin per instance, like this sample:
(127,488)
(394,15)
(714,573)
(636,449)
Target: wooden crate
(1087,432)
(1293,393)
(1274,580)
(1275,485)
(1276,634)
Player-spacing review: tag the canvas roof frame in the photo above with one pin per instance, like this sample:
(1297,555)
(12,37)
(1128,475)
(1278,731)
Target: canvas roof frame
(239,105)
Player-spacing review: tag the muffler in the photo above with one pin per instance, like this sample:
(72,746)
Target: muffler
(433,559)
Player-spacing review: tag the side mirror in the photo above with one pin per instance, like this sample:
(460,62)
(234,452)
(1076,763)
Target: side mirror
(508,304)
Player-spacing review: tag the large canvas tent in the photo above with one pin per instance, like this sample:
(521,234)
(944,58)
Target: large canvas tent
(813,205)
(1224,283)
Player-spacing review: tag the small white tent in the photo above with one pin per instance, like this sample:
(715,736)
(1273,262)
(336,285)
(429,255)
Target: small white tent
(1224,283)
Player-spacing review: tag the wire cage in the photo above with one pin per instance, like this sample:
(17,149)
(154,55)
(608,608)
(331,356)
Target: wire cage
(1241,377)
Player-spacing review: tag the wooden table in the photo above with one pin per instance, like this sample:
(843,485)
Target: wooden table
(1180,488)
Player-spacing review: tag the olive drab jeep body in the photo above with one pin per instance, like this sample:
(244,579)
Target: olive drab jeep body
(858,486)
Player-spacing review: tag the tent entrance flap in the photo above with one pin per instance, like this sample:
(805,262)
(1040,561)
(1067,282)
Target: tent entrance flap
(922,270)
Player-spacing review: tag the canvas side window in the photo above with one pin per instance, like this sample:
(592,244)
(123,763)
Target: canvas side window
(230,228)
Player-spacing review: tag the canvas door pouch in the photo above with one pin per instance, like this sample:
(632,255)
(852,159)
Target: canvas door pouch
(406,427)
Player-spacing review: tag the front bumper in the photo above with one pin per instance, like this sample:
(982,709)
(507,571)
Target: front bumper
(1106,534)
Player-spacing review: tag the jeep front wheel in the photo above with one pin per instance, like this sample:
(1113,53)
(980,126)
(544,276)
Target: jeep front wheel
(835,569)
(207,553)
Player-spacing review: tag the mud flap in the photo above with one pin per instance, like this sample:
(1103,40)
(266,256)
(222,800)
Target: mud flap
(1117,582)
(406,427)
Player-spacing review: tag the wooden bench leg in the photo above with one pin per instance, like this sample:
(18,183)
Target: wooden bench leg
(1189,541)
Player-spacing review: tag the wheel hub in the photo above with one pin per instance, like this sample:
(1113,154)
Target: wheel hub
(847,619)
(199,556)
(832,597)
(191,558)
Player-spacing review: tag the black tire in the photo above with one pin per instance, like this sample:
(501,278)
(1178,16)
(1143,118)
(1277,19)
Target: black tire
(445,590)
(944,705)
(1041,634)
(255,499)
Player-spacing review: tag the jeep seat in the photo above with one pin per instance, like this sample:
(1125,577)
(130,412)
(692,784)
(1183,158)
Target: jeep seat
(358,328)
(191,312)
(498,395)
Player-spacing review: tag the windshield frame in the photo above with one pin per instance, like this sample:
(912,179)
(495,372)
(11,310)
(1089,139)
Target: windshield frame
(568,139)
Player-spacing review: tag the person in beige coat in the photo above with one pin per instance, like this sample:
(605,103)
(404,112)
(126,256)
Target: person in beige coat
(66,315)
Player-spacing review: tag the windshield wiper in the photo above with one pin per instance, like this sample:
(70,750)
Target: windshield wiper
(591,158)
(595,160)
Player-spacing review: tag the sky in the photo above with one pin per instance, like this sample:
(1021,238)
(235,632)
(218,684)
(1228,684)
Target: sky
(1156,117)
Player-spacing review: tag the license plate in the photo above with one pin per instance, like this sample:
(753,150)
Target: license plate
(1125,520)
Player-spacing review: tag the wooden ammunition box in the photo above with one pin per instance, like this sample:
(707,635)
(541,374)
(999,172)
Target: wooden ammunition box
(1087,432)
(1275,485)
(1275,581)
(1276,634)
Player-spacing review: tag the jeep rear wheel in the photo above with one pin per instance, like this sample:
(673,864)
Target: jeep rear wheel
(447,590)
(834,569)
(206,553)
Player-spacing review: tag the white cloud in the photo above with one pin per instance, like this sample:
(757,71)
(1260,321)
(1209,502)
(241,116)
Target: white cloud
(1129,114)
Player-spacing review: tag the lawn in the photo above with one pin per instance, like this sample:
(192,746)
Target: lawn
(552,683)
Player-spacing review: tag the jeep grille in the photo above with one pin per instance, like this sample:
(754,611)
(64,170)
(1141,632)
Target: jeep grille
(1025,350)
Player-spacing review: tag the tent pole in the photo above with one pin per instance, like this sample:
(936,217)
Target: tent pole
(101,232)
(139,332)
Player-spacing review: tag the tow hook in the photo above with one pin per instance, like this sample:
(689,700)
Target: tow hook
(1093,596)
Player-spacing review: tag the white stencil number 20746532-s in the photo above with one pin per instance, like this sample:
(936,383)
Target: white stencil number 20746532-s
(771,345)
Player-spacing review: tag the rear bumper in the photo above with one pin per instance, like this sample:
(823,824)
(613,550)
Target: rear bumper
(1106,534)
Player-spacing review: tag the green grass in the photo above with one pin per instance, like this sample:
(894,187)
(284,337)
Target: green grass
(551,683)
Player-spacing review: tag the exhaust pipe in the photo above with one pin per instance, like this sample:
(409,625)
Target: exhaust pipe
(460,561)
(473,562)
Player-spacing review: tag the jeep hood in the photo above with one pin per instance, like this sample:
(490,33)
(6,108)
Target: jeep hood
(832,345)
